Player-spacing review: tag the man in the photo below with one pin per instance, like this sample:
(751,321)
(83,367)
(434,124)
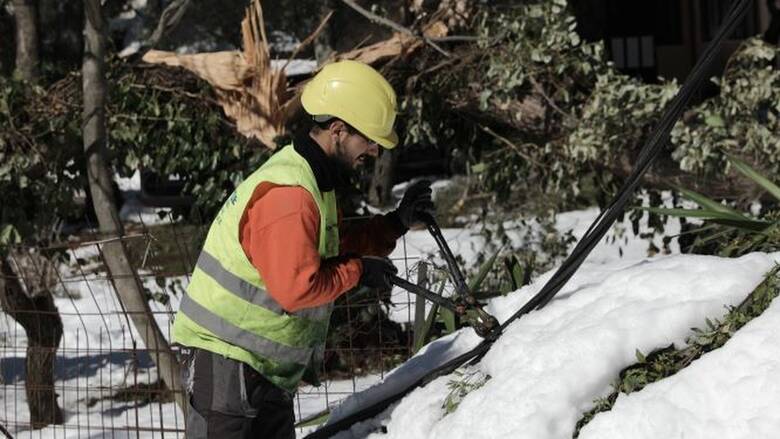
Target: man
(256,313)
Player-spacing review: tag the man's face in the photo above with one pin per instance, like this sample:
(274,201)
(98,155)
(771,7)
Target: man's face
(354,149)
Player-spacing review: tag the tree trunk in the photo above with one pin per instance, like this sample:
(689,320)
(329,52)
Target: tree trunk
(380,192)
(26,17)
(43,326)
(124,277)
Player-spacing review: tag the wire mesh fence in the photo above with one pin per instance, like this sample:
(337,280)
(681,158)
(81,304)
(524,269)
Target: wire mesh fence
(73,364)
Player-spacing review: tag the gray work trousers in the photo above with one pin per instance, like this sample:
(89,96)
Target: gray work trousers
(230,400)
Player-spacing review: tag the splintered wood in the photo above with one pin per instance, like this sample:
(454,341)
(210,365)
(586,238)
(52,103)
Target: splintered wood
(254,94)
(250,91)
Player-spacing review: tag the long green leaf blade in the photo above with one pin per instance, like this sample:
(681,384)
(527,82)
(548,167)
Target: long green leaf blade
(477,280)
(424,334)
(722,218)
(708,203)
(316,419)
(752,174)
(693,213)
(752,225)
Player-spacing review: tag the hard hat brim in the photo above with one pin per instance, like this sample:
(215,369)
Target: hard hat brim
(387,142)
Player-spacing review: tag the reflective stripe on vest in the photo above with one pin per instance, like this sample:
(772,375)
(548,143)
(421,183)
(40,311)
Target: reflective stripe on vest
(239,337)
(252,294)
(236,285)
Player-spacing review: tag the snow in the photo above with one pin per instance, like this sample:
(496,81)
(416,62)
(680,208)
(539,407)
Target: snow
(133,209)
(731,392)
(295,67)
(549,366)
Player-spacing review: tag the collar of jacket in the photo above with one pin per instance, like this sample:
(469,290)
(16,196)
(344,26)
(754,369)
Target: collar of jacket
(325,170)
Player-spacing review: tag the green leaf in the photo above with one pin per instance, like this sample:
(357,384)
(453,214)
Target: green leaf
(723,218)
(693,213)
(9,235)
(751,173)
(424,332)
(640,357)
(748,224)
(316,419)
(478,168)
(477,280)
(448,317)
(707,203)
(714,121)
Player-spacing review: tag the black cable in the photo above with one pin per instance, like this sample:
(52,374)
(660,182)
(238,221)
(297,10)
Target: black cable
(5,432)
(596,231)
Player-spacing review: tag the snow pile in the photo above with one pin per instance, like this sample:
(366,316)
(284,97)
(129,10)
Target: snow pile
(549,366)
(731,392)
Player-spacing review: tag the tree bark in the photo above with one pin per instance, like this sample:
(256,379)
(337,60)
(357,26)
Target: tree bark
(380,192)
(26,18)
(124,277)
(43,326)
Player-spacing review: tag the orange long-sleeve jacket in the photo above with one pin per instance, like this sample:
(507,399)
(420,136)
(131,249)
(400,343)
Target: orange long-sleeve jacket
(279,233)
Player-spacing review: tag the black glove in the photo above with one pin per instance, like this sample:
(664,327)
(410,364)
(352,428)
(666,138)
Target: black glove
(376,272)
(415,204)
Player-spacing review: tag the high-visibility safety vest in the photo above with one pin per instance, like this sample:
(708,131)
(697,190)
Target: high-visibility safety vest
(227,309)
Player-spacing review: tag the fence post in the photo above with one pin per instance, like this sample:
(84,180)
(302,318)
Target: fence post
(419,306)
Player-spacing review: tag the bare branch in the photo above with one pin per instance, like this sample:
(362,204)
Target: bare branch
(169,18)
(309,39)
(508,143)
(393,25)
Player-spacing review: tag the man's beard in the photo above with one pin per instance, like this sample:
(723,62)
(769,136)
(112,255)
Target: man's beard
(342,167)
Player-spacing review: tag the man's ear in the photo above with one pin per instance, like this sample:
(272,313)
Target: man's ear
(337,126)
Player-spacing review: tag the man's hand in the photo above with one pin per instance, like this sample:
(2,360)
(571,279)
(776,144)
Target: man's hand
(376,272)
(416,202)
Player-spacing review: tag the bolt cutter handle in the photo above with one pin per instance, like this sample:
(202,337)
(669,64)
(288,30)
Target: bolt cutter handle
(457,276)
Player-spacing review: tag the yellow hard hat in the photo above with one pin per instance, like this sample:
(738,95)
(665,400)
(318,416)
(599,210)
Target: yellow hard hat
(357,94)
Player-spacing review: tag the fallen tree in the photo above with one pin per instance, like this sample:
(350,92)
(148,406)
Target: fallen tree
(255,94)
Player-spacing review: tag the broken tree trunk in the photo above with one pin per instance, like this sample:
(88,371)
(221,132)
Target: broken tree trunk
(43,326)
(249,90)
(380,192)
(124,277)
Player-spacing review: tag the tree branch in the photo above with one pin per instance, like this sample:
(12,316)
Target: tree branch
(393,25)
(508,143)
(169,18)
(308,39)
